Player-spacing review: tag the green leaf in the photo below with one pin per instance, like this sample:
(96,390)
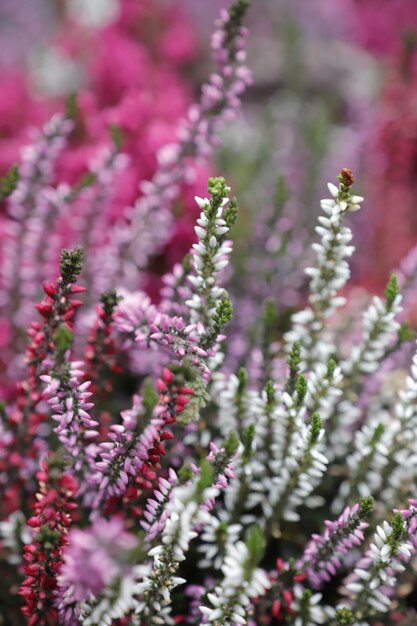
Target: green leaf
(300,389)
(206,476)
(293,362)
(116,134)
(185,473)
(397,524)
(255,542)
(315,427)
(406,333)
(242,377)
(236,12)
(72,106)
(9,182)
(231,444)
(270,392)
(282,192)
(230,212)
(247,440)
(149,395)
(345,617)
(391,291)
(331,366)
(109,301)
(63,338)
(366,507)
(217,188)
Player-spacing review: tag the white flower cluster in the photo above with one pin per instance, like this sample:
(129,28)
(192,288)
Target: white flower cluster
(283,477)
(184,513)
(13,534)
(380,326)
(210,256)
(188,508)
(231,598)
(365,464)
(384,460)
(235,413)
(323,390)
(216,537)
(243,486)
(272,420)
(400,439)
(238,410)
(302,471)
(394,469)
(327,278)
(272,469)
(288,418)
(305,603)
(378,570)
(115,602)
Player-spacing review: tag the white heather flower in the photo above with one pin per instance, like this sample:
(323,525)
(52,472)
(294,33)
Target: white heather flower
(328,276)
(232,595)
(13,534)
(216,537)
(323,390)
(310,604)
(209,256)
(375,575)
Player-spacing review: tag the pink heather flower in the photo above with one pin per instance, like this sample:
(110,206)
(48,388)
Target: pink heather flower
(69,399)
(324,554)
(95,557)
(124,72)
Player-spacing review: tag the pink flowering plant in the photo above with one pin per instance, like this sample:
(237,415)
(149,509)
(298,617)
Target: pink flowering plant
(152,473)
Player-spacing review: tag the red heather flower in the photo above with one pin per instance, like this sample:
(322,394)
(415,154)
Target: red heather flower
(48,339)
(280,598)
(43,557)
(132,454)
(54,334)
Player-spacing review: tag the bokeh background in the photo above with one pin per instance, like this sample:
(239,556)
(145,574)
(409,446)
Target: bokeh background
(335,84)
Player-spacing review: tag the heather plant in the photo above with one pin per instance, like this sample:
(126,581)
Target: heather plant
(207,501)
(143,480)
(44,195)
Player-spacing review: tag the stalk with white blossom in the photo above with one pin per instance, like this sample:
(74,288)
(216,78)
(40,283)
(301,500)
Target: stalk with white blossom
(330,274)
(187,508)
(242,580)
(371,585)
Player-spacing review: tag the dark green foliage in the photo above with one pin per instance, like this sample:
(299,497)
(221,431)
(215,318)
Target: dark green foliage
(71,264)
(345,617)
(109,301)
(71,110)
(315,427)
(9,181)
(391,291)
(206,476)
(236,12)
(62,338)
(230,212)
(300,389)
(255,541)
(294,361)
(231,444)
(366,507)
(406,333)
(331,366)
